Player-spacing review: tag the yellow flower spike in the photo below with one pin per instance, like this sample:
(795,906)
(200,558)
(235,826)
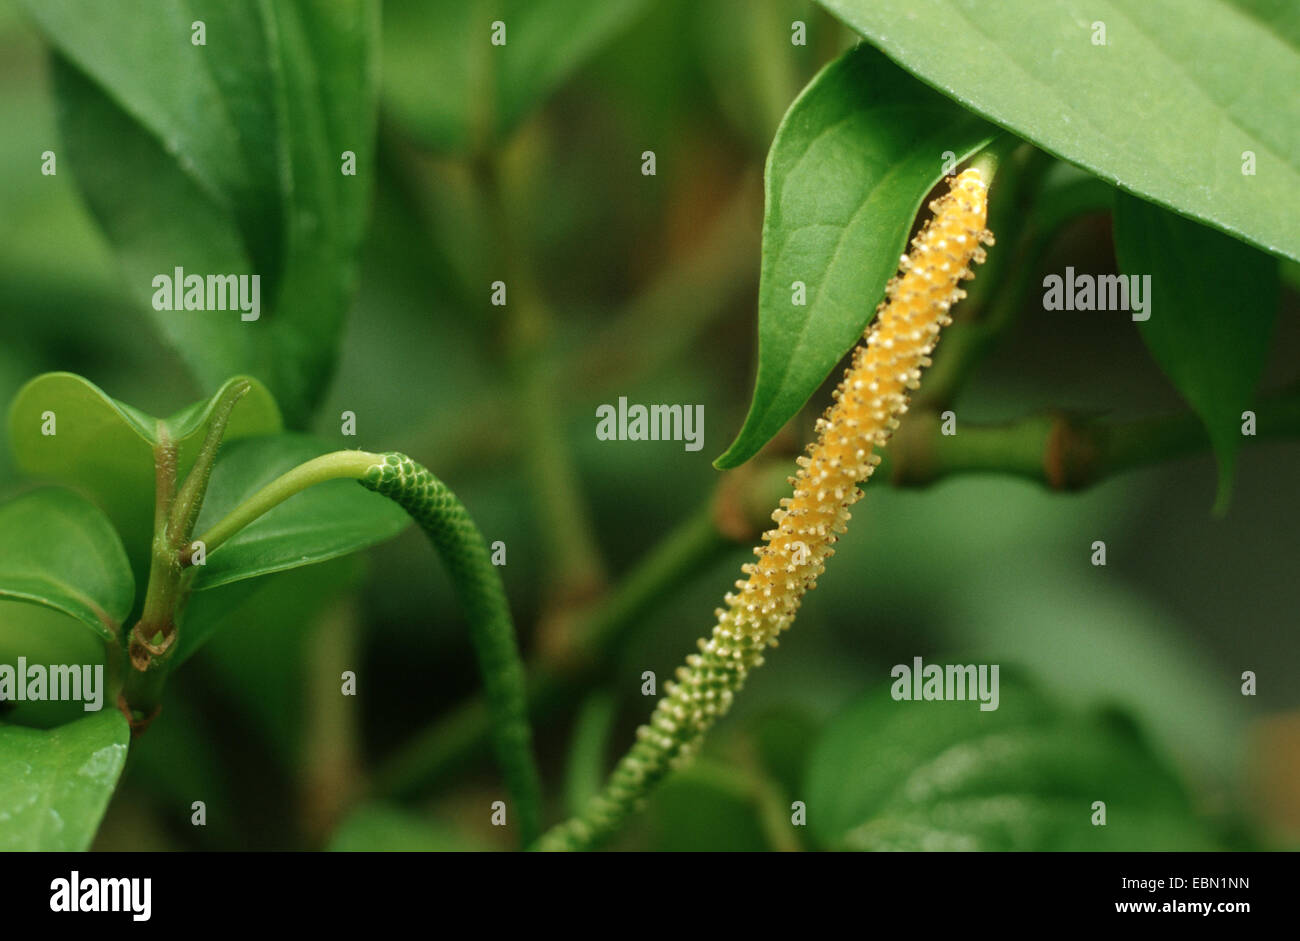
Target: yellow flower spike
(864,413)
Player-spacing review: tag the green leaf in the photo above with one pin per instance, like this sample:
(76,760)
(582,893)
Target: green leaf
(944,775)
(226,158)
(59,550)
(1212,305)
(1166,109)
(323,522)
(55,783)
(447,82)
(105,448)
(853,159)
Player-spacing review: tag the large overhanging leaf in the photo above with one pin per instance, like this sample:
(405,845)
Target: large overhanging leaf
(1183,95)
(227,158)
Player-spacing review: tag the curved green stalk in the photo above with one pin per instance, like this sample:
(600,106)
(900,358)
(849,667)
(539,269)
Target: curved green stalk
(332,466)
(461,546)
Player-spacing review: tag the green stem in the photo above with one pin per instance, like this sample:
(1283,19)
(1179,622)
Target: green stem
(477,582)
(678,559)
(185,511)
(585,771)
(334,466)
(152,642)
(141,693)
(162,582)
(1065,451)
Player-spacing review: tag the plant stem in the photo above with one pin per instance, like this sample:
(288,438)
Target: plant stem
(334,466)
(185,510)
(141,691)
(152,642)
(1066,451)
(585,770)
(162,583)
(477,582)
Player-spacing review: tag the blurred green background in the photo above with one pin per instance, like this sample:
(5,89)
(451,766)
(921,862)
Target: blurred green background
(652,281)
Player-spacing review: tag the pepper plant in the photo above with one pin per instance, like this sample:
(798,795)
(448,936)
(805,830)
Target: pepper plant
(931,139)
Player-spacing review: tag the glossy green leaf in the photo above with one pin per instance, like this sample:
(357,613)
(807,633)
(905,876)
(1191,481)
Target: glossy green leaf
(853,159)
(105,448)
(55,783)
(944,775)
(59,550)
(1166,109)
(446,81)
(226,158)
(323,522)
(1213,303)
